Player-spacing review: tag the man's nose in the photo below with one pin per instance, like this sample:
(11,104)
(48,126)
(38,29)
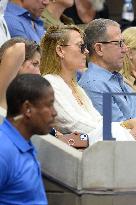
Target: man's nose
(54,112)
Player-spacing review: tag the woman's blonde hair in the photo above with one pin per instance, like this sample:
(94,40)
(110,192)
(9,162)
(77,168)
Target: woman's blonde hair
(55,35)
(129,36)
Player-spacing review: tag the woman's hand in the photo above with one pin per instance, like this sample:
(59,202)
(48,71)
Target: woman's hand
(129,124)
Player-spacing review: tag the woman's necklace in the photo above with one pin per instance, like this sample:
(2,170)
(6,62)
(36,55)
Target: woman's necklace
(72,85)
(75,93)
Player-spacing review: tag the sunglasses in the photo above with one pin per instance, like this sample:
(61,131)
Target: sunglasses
(82,47)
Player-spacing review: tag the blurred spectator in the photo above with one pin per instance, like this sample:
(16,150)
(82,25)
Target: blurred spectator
(129,64)
(83,11)
(31,63)
(4,33)
(23,20)
(10,61)
(53,13)
(16,60)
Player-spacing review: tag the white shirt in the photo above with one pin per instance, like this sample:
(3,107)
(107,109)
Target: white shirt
(3,113)
(73,117)
(4,33)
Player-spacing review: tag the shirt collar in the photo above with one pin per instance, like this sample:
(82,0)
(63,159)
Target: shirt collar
(107,75)
(100,71)
(16,137)
(20,11)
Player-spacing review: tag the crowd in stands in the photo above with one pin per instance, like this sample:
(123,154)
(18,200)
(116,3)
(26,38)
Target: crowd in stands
(41,51)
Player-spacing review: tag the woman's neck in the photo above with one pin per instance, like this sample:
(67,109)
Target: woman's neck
(55,9)
(67,77)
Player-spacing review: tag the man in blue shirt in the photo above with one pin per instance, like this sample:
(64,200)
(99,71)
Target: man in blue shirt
(30,111)
(106,51)
(23,20)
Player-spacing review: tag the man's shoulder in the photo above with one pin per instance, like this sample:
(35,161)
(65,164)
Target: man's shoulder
(6,145)
(92,81)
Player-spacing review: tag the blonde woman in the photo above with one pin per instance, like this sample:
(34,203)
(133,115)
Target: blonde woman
(129,64)
(63,53)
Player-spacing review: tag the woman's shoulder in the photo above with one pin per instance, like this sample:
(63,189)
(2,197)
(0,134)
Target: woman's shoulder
(51,77)
(55,80)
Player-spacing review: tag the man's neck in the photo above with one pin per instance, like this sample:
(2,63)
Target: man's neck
(100,63)
(19,124)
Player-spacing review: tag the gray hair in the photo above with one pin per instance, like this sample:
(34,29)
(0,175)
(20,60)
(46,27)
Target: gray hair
(96,31)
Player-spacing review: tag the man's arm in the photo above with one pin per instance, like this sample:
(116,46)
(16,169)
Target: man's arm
(11,61)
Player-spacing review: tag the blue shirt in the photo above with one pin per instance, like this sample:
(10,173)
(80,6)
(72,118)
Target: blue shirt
(97,80)
(20,175)
(19,22)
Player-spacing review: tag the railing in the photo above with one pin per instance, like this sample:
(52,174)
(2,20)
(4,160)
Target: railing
(107,114)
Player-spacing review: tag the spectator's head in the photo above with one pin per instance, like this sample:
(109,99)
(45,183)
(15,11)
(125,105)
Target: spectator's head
(62,48)
(32,58)
(129,64)
(32,54)
(35,7)
(30,99)
(105,43)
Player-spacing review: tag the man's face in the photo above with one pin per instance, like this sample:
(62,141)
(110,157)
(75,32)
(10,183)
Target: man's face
(42,113)
(35,7)
(113,52)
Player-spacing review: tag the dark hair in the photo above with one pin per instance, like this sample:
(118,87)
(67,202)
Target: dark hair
(24,87)
(30,47)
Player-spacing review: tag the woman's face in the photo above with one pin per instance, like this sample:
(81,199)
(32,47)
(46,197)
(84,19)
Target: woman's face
(74,53)
(32,65)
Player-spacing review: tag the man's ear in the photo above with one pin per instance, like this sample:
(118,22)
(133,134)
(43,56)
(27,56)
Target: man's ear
(60,51)
(26,108)
(98,49)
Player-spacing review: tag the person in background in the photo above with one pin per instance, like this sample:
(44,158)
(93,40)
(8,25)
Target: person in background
(106,52)
(84,11)
(23,18)
(53,13)
(17,56)
(63,52)
(30,111)
(129,64)
(4,32)
(10,62)
(31,63)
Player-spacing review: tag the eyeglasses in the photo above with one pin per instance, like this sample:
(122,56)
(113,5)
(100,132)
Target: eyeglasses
(82,47)
(120,43)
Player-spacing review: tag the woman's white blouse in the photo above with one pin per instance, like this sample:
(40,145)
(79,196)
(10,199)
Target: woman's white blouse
(73,117)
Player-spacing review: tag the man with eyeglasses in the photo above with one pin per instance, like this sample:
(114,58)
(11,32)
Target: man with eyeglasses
(106,52)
